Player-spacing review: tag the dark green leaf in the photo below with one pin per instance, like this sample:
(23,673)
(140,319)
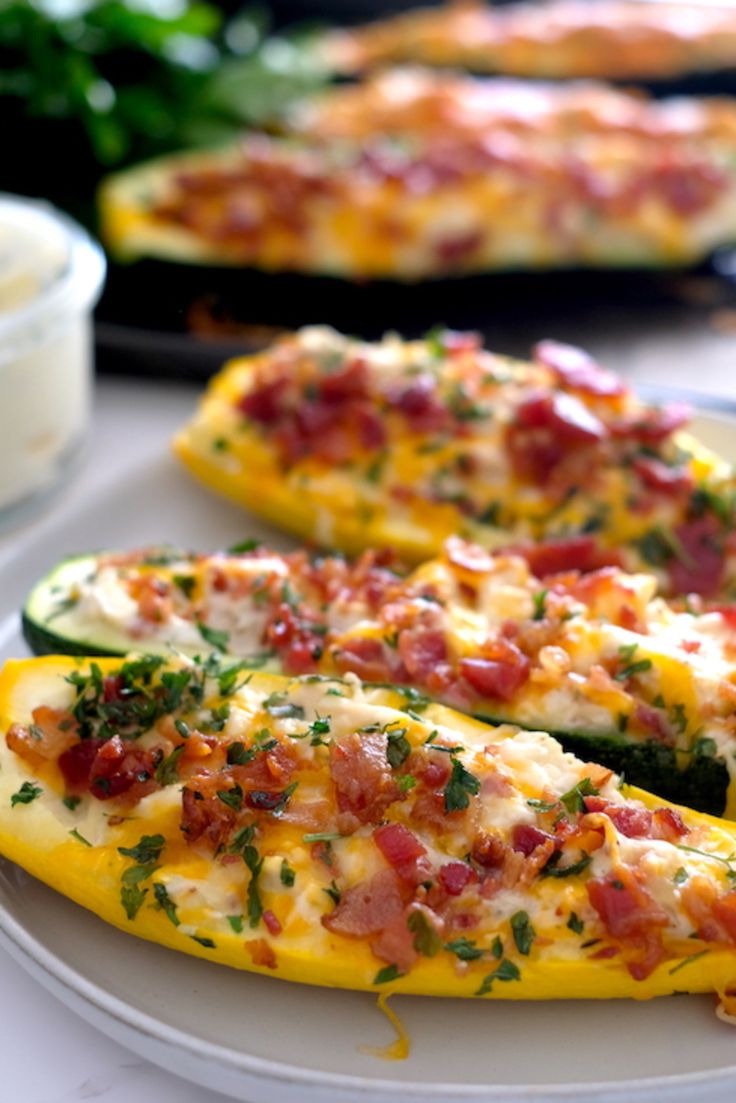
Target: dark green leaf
(505,971)
(214,637)
(387,974)
(132,897)
(523,932)
(461,785)
(165,903)
(465,949)
(27,793)
(426,939)
(146,850)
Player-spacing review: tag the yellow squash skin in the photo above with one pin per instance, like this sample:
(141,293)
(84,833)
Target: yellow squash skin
(348,508)
(37,836)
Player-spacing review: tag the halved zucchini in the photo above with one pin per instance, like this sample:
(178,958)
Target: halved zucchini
(337,839)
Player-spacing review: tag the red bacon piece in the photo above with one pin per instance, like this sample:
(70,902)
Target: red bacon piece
(576,553)
(403,850)
(656,475)
(566,416)
(576,369)
(632,916)
(454,876)
(653,424)
(365,657)
(369,907)
(700,565)
(109,768)
(500,673)
(421,650)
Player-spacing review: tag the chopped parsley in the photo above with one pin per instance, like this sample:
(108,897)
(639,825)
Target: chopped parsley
(465,949)
(72,802)
(26,794)
(523,932)
(214,637)
(688,961)
(540,600)
(631,666)
(146,850)
(505,971)
(243,845)
(398,747)
(573,799)
(167,771)
(461,786)
(236,923)
(164,903)
(387,974)
(280,707)
(132,897)
(333,892)
(79,837)
(206,942)
(233,797)
(239,755)
(287,875)
(244,546)
(575,923)
(553,870)
(426,939)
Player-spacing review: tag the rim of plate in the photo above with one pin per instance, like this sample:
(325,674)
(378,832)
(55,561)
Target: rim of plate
(147,1025)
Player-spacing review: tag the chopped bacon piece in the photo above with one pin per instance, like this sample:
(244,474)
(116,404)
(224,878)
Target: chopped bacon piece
(421,650)
(488,850)
(395,943)
(271,921)
(632,916)
(454,876)
(668,825)
(365,657)
(526,838)
(52,732)
(367,908)
(500,673)
(204,815)
(566,416)
(402,849)
(351,380)
(658,476)
(653,424)
(437,771)
(576,553)
(634,823)
(653,722)
(700,565)
(265,403)
(420,405)
(467,556)
(724,911)
(261,953)
(109,768)
(577,369)
(362,776)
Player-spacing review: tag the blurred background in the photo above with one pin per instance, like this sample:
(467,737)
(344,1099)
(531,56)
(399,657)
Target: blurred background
(90,87)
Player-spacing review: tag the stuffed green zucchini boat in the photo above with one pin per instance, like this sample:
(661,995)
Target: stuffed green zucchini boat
(599,659)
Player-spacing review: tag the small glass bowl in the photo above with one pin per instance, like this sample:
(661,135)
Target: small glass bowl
(51,274)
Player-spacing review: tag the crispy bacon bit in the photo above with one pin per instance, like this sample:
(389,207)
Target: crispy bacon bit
(577,553)
(488,850)
(52,732)
(362,776)
(630,915)
(658,476)
(365,657)
(402,850)
(724,911)
(395,943)
(421,650)
(575,368)
(653,424)
(526,838)
(454,876)
(436,773)
(109,768)
(261,953)
(700,565)
(204,815)
(468,557)
(565,416)
(367,908)
(653,722)
(500,673)
(420,404)
(271,921)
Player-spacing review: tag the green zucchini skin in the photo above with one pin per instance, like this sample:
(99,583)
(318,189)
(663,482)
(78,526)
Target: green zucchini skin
(43,615)
(702,784)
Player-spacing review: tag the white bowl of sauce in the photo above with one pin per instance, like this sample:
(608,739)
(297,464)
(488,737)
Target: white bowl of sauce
(51,274)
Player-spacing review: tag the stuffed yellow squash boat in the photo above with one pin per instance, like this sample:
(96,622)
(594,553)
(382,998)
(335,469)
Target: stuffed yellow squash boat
(610,39)
(415,175)
(617,674)
(316,831)
(401,444)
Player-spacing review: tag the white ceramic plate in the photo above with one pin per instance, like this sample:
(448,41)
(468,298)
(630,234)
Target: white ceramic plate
(259,1038)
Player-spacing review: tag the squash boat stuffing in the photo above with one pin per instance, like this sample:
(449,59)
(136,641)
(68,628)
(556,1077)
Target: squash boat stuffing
(415,175)
(616,673)
(610,39)
(402,444)
(316,831)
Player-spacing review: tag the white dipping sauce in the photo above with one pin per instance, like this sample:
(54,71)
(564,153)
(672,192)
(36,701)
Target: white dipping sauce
(50,277)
